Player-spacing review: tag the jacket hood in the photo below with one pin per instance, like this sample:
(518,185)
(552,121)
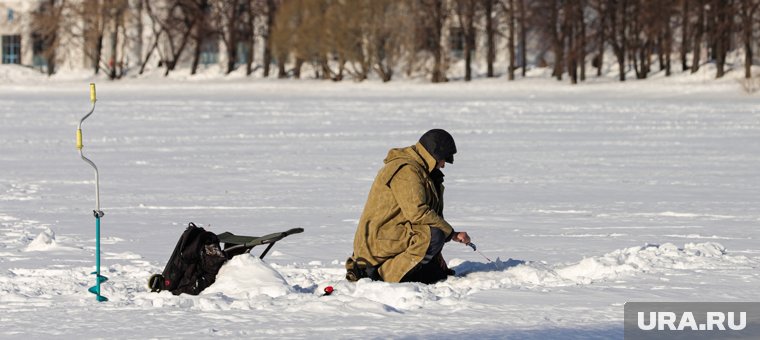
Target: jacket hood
(415,153)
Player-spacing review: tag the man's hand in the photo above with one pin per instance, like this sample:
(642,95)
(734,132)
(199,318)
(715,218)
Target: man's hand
(461,237)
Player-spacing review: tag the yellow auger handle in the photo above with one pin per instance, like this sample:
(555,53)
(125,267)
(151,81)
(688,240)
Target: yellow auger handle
(92,93)
(79,139)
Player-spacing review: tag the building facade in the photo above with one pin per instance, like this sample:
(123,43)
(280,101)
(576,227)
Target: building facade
(15,35)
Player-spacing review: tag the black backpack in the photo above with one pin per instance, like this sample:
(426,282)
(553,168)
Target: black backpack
(193,265)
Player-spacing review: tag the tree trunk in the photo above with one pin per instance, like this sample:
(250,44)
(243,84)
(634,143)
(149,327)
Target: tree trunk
(684,34)
(297,68)
(233,35)
(490,37)
(171,64)
(748,58)
(557,43)
(200,34)
(438,14)
(511,40)
(150,53)
(50,52)
(747,43)
(196,56)
(327,72)
(723,30)
(281,73)
(618,36)
(98,52)
(469,36)
(138,15)
(523,39)
(114,41)
(249,56)
(697,49)
(600,52)
(251,40)
(668,47)
(582,46)
(568,28)
(661,53)
(271,12)
(748,8)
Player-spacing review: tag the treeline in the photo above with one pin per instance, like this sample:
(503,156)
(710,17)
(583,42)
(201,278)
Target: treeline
(355,39)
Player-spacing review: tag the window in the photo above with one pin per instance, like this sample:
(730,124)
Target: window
(38,51)
(456,40)
(11,49)
(10,15)
(209,51)
(242,53)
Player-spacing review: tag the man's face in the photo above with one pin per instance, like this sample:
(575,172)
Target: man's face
(441,164)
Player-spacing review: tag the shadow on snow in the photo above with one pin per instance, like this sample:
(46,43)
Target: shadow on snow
(468,267)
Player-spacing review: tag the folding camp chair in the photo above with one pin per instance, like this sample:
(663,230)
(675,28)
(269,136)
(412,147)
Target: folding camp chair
(235,245)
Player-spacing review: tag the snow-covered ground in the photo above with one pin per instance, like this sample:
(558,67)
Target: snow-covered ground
(584,196)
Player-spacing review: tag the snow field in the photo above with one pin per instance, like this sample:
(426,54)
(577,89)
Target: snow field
(248,283)
(585,198)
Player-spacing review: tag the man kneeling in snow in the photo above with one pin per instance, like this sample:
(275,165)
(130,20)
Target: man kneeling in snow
(402,231)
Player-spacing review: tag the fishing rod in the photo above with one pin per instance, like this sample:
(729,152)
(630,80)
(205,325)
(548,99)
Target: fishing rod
(472,245)
(97,212)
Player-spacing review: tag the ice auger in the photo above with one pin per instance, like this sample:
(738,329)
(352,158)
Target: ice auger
(97,212)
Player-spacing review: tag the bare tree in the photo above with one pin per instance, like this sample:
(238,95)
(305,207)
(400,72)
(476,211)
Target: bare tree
(511,11)
(433,15)
(488,9)
(200,9)
(618,25)
(249,33)
(523,37)
(116,12)
(747,10)
(667,40)
(172,23)
(576,35)
(698,32)
(723,12)
(601,16)
(466,13)
(230,23)
(570,32)
(549,21)
(581,22)
(46,23)
(93,14)
(387,36)
(271,12)
(649,29)
(157,30)
(685,15)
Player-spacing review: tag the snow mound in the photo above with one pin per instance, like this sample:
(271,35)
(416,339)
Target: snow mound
(621,263)
(246,276)
(16,73)
(647,258)
(44,241)
(709,249)
(398,296)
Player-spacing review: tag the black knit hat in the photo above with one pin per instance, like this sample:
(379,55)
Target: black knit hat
(440,144)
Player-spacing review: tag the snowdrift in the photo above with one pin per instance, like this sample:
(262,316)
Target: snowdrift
(246,276)
(246,282)
(619,264)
